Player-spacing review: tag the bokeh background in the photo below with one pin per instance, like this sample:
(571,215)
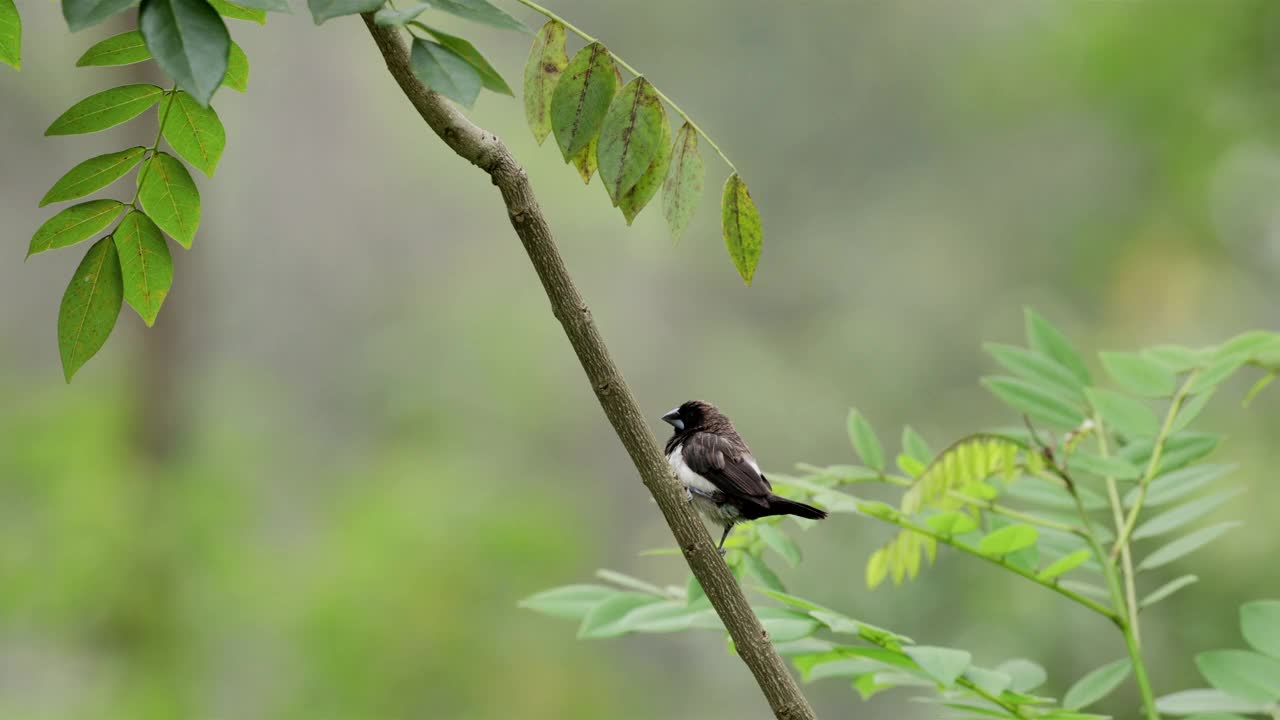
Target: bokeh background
(356,436)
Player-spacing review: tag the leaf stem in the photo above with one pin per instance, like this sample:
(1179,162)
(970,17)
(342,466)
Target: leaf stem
(155,146)
(576,31)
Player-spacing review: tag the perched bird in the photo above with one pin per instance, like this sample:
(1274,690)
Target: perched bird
(719,474)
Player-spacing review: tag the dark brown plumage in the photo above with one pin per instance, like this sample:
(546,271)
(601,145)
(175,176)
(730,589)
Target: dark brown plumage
(717,468)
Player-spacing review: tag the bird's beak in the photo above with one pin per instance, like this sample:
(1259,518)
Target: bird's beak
(673,418)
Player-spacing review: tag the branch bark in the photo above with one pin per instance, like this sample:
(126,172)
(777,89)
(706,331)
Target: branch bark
(487,152)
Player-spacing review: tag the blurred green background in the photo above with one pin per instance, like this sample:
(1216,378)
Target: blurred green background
(357,437)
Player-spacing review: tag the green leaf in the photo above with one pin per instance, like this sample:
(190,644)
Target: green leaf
(446,72)
(93,174)
(1190,702)
(145,265)
(190,43)
(1110,466)
(682,189)
(10,34)
(1065,564)
(193,131)
(571,602)
(952,522)
(941,664)
(1038,402)
(1242,673)
(1026,674)
(1260,624)
(237,77)
(991,682)
(864,441)
(1217,372)
(123,49)
(758,569)
(391,17)
(479,11)
(877,568)
(81,14)
(741,224)
(1190,409)
(1047,340)
(915,446)
(581,98)
(628,582)
(1167,590)
(630,135)
(635,199)
(170,197)
(105,109)
(322,10)
(236,11)
(1139,375)
(268,5)
(74,224)
(1008,539)
(1250,344)
(780,543)
(1177,358)
(1185,546)
(1175,485)
(1123,413)
(1037,369)
(546,63)
(489,76)
(1179,516)
(1096,685)
(90,306)
(786,625)
(607,619)
(693,592)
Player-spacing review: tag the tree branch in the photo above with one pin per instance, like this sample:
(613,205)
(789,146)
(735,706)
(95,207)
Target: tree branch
(484,150)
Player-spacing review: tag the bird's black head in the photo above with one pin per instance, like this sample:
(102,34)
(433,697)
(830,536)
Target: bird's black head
(693,416)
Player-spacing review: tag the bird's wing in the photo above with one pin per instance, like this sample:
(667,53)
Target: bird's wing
(727,464)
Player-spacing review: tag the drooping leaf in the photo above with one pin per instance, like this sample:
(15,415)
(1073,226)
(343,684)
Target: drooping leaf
(1139,375)
(1065,564)
(581,98)
(941,664)
(81,14)
(236,11)
(1038,402)
(1008,539)
(779,542)
(145,265)
(785,625)
(1037,369)
(607,619)
(629,137)
(1123,413)
(762,572)
(1252,343)
(1168,589)
(571,602)
(268,5)
(1242,673)
(1191,408)
(1217,372)
(1175,357)
(105,109)
(1175,485)
(480,11)
(193,131)
(190,42)
(237,77)
(1179,516)
(93,174)
(1185,545)
(1260,625)
(170,197)
(740,222)
(683,186)
(322,10)
(446,72)
(952,522)
(123,49)
(1048,340)
(992,682)
(489,76)
(1191,702)
(1026,675)
(1096,685)
(877,568)
(627,581)
(547,61)
(635,199)
(90,306)
(865,441)
(391,17)
(10,34)
(74,224)
(1110,466)
(914,444)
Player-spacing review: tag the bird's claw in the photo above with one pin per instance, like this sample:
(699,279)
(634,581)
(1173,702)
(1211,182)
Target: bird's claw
(722,551)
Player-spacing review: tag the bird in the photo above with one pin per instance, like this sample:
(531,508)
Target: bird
(720,475)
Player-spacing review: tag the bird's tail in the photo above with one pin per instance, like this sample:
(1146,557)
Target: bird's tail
(779,505)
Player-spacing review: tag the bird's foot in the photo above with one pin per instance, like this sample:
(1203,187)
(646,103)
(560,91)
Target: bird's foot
(722,551)
(688,495)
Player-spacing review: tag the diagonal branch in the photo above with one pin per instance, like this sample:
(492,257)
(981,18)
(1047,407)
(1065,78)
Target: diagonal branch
(484,150)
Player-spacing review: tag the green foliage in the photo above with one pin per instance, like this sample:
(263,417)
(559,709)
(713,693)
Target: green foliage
(106,109)
(1260,625)
(1096,685)
(741,223)
(582,97)
(90,306)
(145,266)
(322,10)
(683,186)
(480,11)
(170,197)
(81,14)
(547,61)
(446,72)
(190,42)
(126,48)
(75,224)
(10,34)
(237,77)
(629,135)
(193,131)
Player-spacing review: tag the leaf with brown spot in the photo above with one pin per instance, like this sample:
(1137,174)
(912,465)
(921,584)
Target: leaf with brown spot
(90,306)
(193,131)
(647,186)
(682,190)
(145,264)
(740,222)
(547,61)
(581,99)
(75,224)
(585,159)
(629,137)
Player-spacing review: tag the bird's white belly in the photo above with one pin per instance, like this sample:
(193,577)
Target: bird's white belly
(701,487)
(685,475)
